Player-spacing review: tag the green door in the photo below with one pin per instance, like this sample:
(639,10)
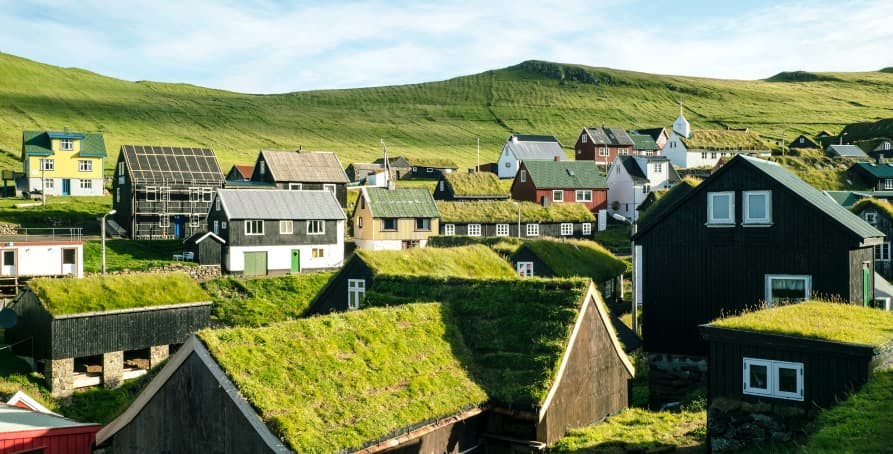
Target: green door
(866,285)
(295,260)
(255,263)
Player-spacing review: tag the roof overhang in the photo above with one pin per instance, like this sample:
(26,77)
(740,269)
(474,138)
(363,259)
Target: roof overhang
(64,135)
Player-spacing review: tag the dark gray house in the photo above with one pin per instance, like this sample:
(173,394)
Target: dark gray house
(278,231)
(879,213)
(399,165)
(164,192)
(206,248)
(302,171)
(505,218)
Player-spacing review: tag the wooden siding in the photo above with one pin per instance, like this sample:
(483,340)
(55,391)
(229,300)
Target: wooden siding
(208,252)
(589,151)
(858,257)
(453,438)
(235,235)
(540,269)
(830,369)
(405,230)
(599,198)
(74,440)
(552,230)
(421,173)
(691,273)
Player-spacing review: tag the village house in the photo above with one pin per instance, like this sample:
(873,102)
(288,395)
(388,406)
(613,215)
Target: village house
(878,213)
(603,145)
(783,240)
(704,147)
(63,162)
(302,171)
(27,431)
(40,252)
(846,151)
(804,142)
(204,248)
(631,179)
(553,182)
(877,148)
(358,171)
(470,186)
(82,340)
(450,410)
(162,192)
(277,231)
(658,135)
(430,169)
(239,173)
(573,258)
(643,145)
(399,165)
(399,218)
(877,175)
(524,147)
(515,219)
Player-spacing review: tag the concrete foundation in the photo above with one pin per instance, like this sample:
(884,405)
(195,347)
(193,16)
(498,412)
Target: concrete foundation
(112,369)
(60,376)
(157,354)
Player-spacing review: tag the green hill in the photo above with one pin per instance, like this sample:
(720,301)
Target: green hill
(437,119)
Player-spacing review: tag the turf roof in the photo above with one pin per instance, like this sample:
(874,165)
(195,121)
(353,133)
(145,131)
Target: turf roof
(722,139)
(475,261)
(880,205)
(818,320)
(577,258)
(665,199)
(107,293)
(434,162)
(565,174)
(507,211)
(475,184)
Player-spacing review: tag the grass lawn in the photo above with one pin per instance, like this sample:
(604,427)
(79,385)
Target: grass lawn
(58,212)
(259,302)
(615,237)
(638,430)
(135,255)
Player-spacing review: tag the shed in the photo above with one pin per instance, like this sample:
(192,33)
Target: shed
(206,247)
(846,151)
(25,431)
(306,171)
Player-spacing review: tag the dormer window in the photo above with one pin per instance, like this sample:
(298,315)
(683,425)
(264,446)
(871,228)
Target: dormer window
(757,207)
(721,208)
(66,144)
(523,176)
(658,167)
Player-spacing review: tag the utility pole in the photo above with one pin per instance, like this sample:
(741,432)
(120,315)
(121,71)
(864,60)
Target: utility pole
(478,168)
(782,142)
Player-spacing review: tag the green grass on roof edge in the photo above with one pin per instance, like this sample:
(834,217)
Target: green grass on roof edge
(881,205)
(472,261)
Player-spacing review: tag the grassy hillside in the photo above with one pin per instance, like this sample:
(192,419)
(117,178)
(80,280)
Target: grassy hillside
(438,119)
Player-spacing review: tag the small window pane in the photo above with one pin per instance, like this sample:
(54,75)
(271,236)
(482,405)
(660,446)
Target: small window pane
(787,380)
(759,376)
(721,206)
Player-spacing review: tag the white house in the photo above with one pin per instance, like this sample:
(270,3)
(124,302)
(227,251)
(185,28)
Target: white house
(704,147)
(520,147)
(35,256)
(632,178)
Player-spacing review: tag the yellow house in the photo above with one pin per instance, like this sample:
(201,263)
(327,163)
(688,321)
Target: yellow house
(394,218)
(63,162)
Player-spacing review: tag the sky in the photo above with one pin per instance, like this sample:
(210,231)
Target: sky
(265,46)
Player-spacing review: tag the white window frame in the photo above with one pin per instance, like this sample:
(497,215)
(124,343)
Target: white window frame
(47,164)
(524,269)
(870,217)
(217,204)
(603,151)
(85,165)
(582,138)
(86,183)
(254,231)
(449,229)
(207,194)
(658,167)
(152,194)
(195,194)
(710,202)
(316,227)
(567,228)
(746,214)
(164,220)
(583,195)
(223,225)
(888,183)
(474,230)
(66,144)
(295,186)
(356,293)
(558,195)
(263,167)
(502,230)
(882,252)
(587,228)
(50,183)
(533,229)
(772,382)
(286,227)
(329,187)
(429,170)
(522,176)
(807,287)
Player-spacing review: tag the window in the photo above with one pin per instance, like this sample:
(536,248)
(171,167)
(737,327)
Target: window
(508,164)
(66,144)
(558,195)
(316,227)
(295,186)
(757,207)
(164,221)
(567,229)
(882,252)
(603,151)
(780,379)
(721,207)
(502,230)
(870,217)
(429,170)
(207,194)
(423,224)
(85,165)
(51,183)
(787,288)
(704,155)
(195,194)
(389,224)
(440,184)
(360,222)
(474,230)
(254,227)
(416,169)
(223,225)
(217,204)
(584,195)
(888,183)
(263,167)
(522,175)
(533,230)
(121,169)
(712,155)
(151,194)
(659,167)
(646,188)
(86,184)
(587,228)
(286,227)
(583,138)
(117,194)
(329,187)
(356,291)
(449,229)
(47,164)
(623,153)
(886,146)
(193,220)
(317,252)
(525,269)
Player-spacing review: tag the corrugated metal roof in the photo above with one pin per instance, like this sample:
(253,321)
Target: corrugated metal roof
(610,136)
(279,204)
(304,167)
(172,165)
(401,203)
(850,151)
(535,148)
(882,170)
(15,419)
(565,174)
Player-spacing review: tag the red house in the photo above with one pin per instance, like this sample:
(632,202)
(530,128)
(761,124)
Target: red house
(24,430)
(548,182)
(603,145)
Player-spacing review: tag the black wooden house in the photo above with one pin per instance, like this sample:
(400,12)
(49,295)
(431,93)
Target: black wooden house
(164,192)
(749,234)
(302,171)
(206,248)
(879,213)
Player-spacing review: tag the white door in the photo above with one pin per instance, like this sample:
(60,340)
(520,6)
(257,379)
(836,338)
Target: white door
(69,261)
(9,263)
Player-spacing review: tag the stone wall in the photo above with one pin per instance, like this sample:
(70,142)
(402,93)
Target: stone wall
(733,424)
(60,376)
(672,378)
(157,354)
(199,273)
(112,369)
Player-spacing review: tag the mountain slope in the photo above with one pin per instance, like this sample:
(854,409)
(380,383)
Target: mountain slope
(440,119)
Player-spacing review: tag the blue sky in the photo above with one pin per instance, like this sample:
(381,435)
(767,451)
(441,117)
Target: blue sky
(265,46)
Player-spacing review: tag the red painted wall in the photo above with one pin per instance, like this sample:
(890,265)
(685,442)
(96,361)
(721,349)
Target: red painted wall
(599,198)
(64,440)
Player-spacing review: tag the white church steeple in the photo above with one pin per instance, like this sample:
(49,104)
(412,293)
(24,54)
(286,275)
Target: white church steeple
(681,126)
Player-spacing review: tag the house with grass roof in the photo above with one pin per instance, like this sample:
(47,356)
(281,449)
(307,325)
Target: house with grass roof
(470,186)
(430,168)
(63,162)
(507,218)
(572,258)
(687,147)
(878,213)
(437,366)
(772,370)
(302,171)
(631,178)
(804,142)
(104,329)
(399,218)
(519,148)
(556,182)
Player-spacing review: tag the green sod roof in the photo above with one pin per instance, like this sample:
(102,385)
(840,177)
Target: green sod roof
(331,383)
(37,143)
(401,203)
(879,205)
(643,141)
(577,258)
(507,211)
(721,139)
(475,184)
(818,320)
(476,261)
(565,174)
(433,162)
(107,293)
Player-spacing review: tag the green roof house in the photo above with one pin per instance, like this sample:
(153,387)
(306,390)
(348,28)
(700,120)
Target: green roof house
(63,162)
(554,182)
(399,218)
(504,218)
(470,186)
